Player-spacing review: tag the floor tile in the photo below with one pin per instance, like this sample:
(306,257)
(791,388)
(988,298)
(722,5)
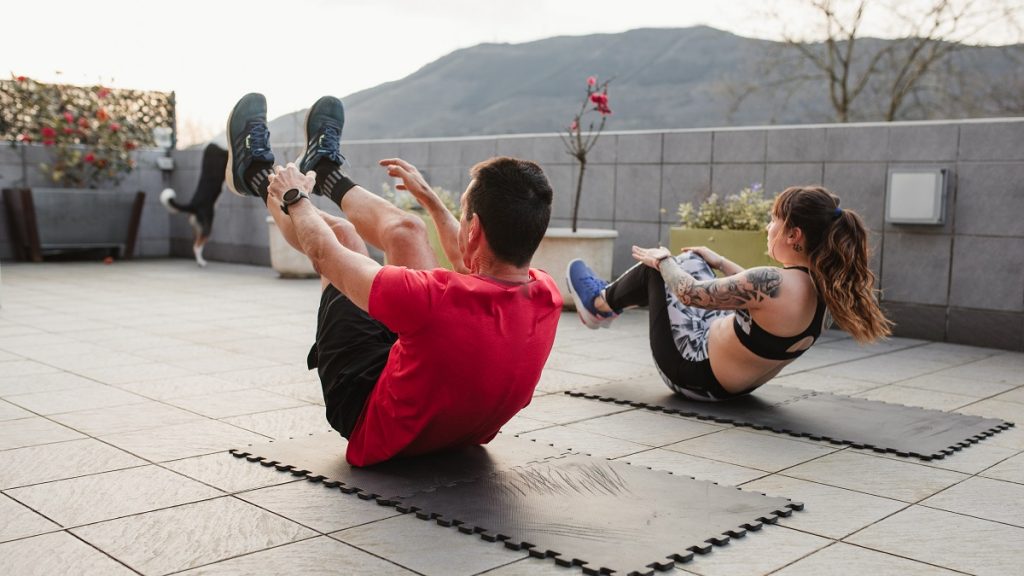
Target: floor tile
(9,411)
(646,427)
(520,424)
(883,370)
(309,392)
(610,369)
(983,498)
(539,567)
(939,382)
(1009,411)
(1011,470)
(899,480)
(949,540)
(16,385)
(757,553)
(825,383)
(828,511)
(693,466)
(1015,395)
(177,387)
(287,423)
(37,464)
(585,442)
(120,419)
(906,396)
(110,495)
(33,432)
(17,521)
(275,375)
(562,409)
(183,440)
(235,403)
(845,560)
(191,535)
(321,556)
(760,451)
(554,380)
(427,548)
(85,398)
(228,473)
(118,375)
(58,553)
(970,460)
(992,369)
(318,507)
(20,368)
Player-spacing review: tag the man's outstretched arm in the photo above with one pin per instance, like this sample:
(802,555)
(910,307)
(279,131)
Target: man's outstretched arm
(446,223)
(350,272)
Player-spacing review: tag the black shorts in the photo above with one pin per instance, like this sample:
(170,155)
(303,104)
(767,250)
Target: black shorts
(350,352)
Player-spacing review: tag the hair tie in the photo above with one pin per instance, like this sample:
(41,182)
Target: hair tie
(838,212)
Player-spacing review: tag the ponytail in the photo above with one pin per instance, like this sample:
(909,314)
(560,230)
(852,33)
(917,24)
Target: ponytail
(837,244)
(839,268)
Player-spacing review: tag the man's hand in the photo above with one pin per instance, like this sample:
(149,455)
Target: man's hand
(412,181)
(285,178)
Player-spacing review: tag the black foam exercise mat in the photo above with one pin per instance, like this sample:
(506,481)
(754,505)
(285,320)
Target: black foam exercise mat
(604,516)
(861,423)
(321,457)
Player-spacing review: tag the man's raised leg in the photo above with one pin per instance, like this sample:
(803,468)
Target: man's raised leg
(402,236)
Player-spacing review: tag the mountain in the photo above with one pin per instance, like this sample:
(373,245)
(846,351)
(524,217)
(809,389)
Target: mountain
(662,79)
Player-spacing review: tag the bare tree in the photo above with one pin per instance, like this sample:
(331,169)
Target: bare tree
(874,79)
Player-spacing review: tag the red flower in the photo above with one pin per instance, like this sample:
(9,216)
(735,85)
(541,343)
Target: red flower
(574,126)
(69,130)
(48,133)
(22,78)
(83,122)
(102,92)
(89,158)
(24,138)
(591,80)
(600,100)
(69,117)
(114,126)
(102,115)
(130,145)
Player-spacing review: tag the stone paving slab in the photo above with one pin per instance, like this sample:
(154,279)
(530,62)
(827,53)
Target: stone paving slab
(162,333)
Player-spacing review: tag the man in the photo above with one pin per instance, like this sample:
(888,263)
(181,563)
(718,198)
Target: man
(412,358)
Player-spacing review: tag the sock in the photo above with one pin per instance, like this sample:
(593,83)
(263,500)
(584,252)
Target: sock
(331,181)
(256,177)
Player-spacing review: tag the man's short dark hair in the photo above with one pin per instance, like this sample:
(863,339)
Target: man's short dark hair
(512,198)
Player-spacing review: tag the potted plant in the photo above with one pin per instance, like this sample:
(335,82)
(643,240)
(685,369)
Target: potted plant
(90,138)
(734,226)
(595,246)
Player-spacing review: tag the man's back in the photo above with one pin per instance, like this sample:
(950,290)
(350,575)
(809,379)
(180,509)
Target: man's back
(470,351)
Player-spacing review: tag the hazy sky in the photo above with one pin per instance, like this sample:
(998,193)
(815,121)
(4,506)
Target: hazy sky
(210,52)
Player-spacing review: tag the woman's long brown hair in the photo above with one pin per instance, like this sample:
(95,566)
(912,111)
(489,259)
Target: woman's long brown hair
(837,247)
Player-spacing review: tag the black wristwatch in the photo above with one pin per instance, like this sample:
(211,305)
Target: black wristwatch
(291,197)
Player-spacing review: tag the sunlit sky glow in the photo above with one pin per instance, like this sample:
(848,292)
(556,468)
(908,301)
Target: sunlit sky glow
(212,51)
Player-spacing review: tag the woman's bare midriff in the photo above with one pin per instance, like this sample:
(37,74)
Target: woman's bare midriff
(736,368)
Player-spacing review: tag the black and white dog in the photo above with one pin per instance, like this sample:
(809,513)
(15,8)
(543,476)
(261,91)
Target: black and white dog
(200,208)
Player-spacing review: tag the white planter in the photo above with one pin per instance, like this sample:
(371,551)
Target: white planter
(561,245)
(285,260)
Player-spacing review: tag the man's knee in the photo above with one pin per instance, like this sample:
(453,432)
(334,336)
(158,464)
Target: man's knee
(405,228)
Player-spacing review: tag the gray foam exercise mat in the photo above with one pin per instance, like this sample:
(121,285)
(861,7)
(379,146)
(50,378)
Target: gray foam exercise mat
(321,458)
(861,423)
(604,516)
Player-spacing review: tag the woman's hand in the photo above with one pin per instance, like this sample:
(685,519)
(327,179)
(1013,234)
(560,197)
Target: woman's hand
(709,255)
(651,256)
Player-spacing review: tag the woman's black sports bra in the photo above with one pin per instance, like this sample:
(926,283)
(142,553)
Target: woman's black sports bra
(767,345)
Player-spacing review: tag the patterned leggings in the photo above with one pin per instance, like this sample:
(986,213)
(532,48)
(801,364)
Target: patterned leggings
(678,333)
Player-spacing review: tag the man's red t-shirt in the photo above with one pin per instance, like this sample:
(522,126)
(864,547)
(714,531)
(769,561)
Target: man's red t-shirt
(469,354)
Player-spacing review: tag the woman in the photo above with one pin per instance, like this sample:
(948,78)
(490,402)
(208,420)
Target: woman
(713,338)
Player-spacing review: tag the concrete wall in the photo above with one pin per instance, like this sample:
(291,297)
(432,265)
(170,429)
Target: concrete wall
(962,282)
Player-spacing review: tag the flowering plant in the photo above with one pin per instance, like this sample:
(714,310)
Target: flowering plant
(577,146)
(90,145)
(748,210)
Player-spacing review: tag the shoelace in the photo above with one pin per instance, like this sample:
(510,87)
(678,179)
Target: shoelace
(329,143)
(258,139)
(592,284)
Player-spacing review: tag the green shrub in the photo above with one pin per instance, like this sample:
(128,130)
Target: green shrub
(748,210)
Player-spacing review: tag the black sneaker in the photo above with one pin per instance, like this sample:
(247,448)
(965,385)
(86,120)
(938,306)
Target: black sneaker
(248,142)
(324,123)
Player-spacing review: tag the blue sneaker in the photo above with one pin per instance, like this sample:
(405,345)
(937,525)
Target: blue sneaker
(584,287)
(248,142)
(324,123)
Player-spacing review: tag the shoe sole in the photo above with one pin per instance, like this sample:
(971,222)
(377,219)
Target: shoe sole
(588,319)
(229,172)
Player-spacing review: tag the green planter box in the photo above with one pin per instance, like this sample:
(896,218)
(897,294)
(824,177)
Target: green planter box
(748,248)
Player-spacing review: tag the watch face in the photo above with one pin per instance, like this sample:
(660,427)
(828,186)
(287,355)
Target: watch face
(291,195)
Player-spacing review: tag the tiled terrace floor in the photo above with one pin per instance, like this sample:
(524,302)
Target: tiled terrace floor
(122,386)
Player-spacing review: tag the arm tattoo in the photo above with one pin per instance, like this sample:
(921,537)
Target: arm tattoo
(730,293)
